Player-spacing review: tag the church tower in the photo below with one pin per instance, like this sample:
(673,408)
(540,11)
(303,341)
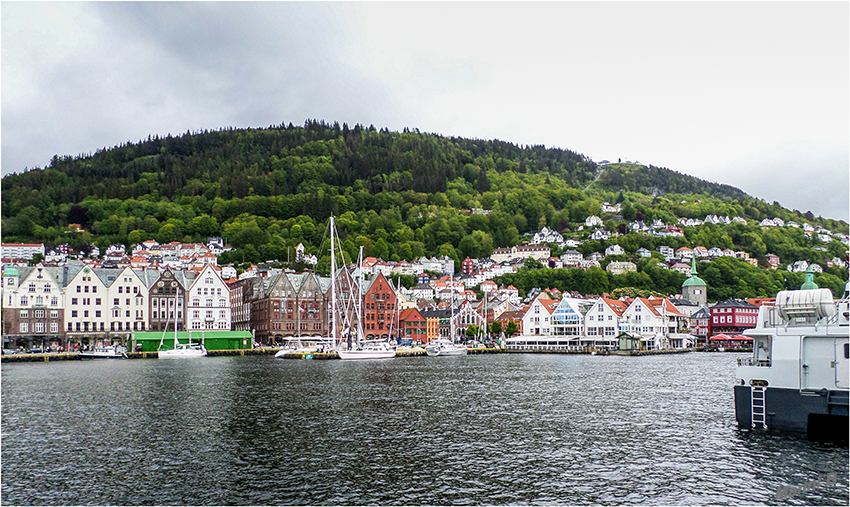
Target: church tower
(694,288)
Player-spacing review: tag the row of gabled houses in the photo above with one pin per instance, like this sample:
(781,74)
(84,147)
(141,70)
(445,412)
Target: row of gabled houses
(78,305)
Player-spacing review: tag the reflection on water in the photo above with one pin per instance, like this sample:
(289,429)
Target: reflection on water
(490,429)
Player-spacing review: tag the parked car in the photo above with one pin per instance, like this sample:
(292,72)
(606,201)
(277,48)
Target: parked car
(36,350)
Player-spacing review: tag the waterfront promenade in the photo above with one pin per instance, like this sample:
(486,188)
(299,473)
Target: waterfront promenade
(260,351)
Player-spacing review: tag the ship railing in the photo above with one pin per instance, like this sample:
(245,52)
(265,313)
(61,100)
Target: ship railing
(753,361)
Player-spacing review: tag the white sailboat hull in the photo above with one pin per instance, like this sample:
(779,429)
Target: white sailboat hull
(370,350)
(182,353)
(366,354)
(445,348)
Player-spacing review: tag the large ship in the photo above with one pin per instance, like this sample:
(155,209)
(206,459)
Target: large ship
(797,378)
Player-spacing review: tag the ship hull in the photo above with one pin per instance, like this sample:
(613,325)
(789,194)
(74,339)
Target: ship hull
(821,414)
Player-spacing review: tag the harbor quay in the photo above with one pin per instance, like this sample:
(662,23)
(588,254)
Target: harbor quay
(261,351)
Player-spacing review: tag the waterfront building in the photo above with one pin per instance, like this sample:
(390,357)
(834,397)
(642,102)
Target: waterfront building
(127,299)
(168,295)
(657,321)
(414,326)
(732,317)
(603,318)
(379,309)
(209,305)
(568,318)
(537,320)
(33,306)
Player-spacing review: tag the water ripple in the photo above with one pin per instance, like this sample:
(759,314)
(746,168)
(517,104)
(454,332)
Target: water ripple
(483,430)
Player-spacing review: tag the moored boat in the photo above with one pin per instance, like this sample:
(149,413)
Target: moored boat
(445,347)
(369,349)
(105,352)
(797,377)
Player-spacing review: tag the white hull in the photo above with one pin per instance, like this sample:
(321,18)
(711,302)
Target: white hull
(115,352)
(182,353)
(369,350)
(366,354)
(445,348)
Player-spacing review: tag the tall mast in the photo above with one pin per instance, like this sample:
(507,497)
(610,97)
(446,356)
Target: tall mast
(176,299)
(360,296)
(333,284)
(452,311)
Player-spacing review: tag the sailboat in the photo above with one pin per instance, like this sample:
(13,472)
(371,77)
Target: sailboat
(180,350)
(363,349)
(447,346)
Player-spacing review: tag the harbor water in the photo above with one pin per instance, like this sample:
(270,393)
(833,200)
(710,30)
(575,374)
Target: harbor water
(500,429)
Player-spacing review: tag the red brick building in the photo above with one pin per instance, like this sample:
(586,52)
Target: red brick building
(414,325)
(379,309)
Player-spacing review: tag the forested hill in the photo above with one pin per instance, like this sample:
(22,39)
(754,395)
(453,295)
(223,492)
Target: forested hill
(399,194)
(283,160)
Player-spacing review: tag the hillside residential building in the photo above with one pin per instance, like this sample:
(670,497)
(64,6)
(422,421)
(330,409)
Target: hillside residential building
(619,268)
(21,251)
(538,252)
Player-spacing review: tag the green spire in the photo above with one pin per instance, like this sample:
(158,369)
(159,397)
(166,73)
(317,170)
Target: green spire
(693,279)
(809,283)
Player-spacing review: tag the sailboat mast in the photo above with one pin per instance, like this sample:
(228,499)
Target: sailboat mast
(452,311)
(333,284)
(360,297)
(176,299)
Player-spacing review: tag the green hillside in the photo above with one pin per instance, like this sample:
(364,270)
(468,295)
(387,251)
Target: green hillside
(398,193)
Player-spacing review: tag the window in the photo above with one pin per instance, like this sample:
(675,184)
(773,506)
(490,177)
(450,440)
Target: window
(73,314)
(54,327)
(120,290)
(23,300)
(115,302)
(54,314)
(86,313)
(86,288)
(39,327)
(24,327)
(79,289)
(97,314)
(97,301)
(47,287)
(25,314)
(39,314)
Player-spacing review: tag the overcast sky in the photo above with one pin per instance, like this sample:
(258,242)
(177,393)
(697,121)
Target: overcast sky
(754,95)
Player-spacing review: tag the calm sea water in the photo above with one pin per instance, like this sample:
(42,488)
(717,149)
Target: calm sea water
(499,429)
